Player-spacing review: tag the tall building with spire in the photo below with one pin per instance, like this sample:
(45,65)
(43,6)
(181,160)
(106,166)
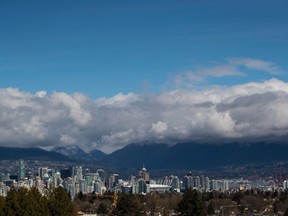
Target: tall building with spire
(144,174)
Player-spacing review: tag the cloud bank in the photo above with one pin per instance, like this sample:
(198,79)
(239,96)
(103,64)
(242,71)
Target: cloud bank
(248,111)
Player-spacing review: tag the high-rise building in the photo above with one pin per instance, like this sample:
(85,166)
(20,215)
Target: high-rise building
(225,185)
(188,182)
(285,184)
(143,187)
(207,184)
(196,182)
(101,173)
(113,181)
(175,184)
(99,187)
(65,173)
(215,185)
(2,177)
(135,188)
(78,173)
(202,182)
(82,186)
(42,171)
(144,174)
(21,169)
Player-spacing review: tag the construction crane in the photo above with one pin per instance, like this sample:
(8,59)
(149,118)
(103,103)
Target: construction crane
(114,196)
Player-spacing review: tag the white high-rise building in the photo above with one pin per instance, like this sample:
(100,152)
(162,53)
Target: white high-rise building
(207,184)
(196,182)
(78,173)
(215,185)
(225,185)
(285,184)
(83,186)
(175,184)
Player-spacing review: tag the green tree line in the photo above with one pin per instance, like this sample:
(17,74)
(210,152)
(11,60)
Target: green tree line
(191,203)
(24,202)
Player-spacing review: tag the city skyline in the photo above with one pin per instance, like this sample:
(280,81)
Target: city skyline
(101,75)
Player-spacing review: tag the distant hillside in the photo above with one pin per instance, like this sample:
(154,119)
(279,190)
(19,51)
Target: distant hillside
(7,153)
(97,155)
(136,155)
(182,156)
(75,153)
(196,156)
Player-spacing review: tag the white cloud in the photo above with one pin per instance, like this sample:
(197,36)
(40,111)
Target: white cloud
(41,94)
(220,71)
(255,109)
(190,78)
(234,67)
(159,128)
(257,64)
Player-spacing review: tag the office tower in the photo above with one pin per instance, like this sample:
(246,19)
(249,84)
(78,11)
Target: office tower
(42,171)
(21,169)
(113,180)
(2,177)
(65,173)
(188,182)
(142,186)
(144,174)
(225,185)
(101,173)
(78,173)
(215,185)
(71,188)
(175,184)
(82,186)
(202,181)
(285,184)
(196,182)
(99,187)
(207,184)
(135,187)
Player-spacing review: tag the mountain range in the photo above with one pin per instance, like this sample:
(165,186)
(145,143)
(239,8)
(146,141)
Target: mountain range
(76,153)
(162,156)
(196,156)
(10,153)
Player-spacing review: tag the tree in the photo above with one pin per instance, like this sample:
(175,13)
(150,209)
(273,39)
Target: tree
(2,206)
(286,212)
(191,204)
(81,196)
(128,205)
(23,203)
(102,209)
(210,208)
(12,205)
(152,201)
(38,204)
(59,203)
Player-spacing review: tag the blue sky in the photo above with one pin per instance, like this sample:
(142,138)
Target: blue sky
(101,74)
(101,48)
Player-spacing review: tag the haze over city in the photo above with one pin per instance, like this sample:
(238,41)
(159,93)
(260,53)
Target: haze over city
(105,74)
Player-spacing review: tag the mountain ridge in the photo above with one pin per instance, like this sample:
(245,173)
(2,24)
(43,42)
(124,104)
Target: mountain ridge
(76,153)
(197,156)
(32,153)
(162,156)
